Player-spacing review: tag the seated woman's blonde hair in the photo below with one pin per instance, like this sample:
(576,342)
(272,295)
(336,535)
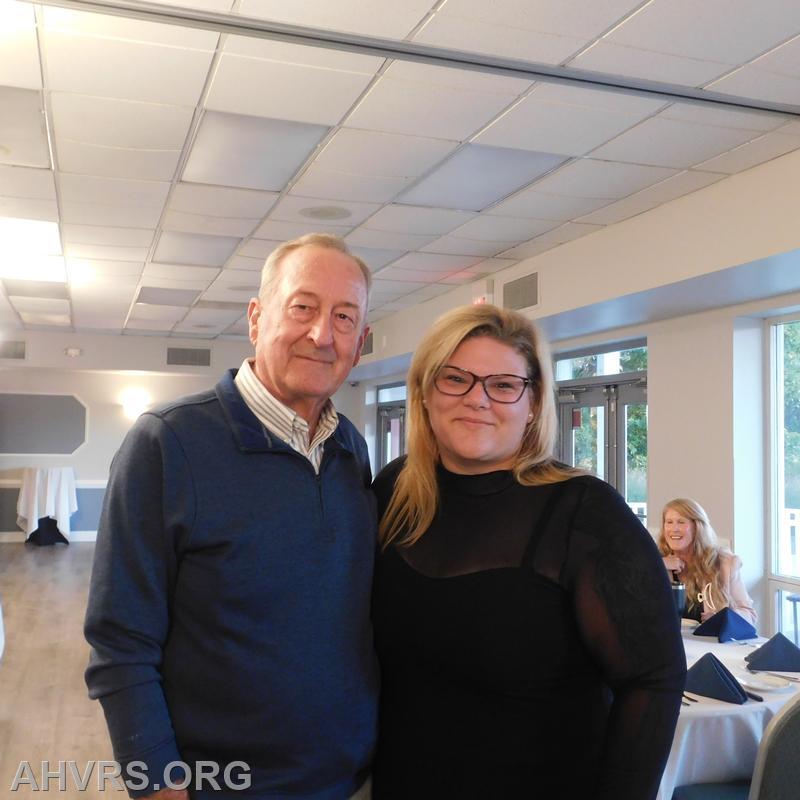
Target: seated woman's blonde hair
(415,498)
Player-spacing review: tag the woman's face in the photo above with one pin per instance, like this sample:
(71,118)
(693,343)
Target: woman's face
(678,531)
(476,434)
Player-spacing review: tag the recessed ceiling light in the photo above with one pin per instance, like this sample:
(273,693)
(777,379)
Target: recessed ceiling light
(325,212)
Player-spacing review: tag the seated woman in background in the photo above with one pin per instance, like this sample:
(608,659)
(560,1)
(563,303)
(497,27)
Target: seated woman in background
(694,557)
(527,638)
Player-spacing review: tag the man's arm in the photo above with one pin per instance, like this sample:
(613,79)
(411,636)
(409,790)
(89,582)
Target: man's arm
(148,506)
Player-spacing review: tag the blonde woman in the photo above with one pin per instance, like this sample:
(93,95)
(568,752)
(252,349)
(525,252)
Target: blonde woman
(694,557)
(528,642)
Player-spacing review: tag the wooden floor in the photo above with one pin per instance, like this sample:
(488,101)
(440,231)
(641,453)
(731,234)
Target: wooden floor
(45,713)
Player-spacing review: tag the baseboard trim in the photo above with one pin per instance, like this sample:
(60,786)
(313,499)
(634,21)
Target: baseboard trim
(12,537)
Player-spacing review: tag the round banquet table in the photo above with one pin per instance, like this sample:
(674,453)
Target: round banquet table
(717,741)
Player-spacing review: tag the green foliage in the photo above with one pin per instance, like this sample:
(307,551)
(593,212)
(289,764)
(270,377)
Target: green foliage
(791,412)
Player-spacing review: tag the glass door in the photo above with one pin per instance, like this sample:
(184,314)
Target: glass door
(603,429)
(391,433)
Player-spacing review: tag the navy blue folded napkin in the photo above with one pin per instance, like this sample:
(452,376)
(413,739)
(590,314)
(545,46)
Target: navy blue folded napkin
(726,624)
(711,678)
(778,654)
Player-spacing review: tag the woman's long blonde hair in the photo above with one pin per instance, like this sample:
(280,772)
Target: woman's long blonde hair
(704,567)
(415,497)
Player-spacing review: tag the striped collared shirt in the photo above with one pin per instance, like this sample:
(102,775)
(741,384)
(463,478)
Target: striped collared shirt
(281,420)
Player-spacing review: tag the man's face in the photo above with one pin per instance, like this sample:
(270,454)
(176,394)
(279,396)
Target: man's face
(308,333)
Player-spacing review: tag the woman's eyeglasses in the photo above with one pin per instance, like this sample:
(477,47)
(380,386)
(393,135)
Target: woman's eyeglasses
(500,388)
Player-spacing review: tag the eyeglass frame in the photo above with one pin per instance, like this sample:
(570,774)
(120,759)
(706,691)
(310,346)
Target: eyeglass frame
(482,380)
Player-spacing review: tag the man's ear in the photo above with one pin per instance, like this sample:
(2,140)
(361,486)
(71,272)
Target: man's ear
(360,347)
(253,315)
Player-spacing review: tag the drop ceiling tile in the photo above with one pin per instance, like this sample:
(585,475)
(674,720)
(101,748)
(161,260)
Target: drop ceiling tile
(756,121)
(765,148)
(19,51)
(23,135)
(509,41)
(116,162)
(125,28)
(679,185)
(478,175)
(143,311)
(389,155)
(635,62)
(321,96)
(97,234)
(113,191)
(393,273)
(258,249)
(387,287)
(591,178)
(40,320)
(439,102)
(249,152)
(774,76)
(195,248)
(112,122)
(109,274)
(39,305)
(295,209)
(417,219)
(543,206)
(375,259)
(491,265)
(99,214)
(179,272)
(433,262)
(567,120)
(106,323)
(384,240)
(567,232)
(469,247)
(221,201)
(218,226)
(619,211)
(430,291)
(502,228)
(385,18)
(27,182)
(290,53)
(667,143)
(245,262)
(155,326)
(238,279)
(105,252)
(276,231)
(332,185)
(211,316)
(24,208)
(718,31)
(166,297)
(125,69)
(458,278)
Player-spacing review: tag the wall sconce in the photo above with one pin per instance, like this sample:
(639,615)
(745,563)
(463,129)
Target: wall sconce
(134,402)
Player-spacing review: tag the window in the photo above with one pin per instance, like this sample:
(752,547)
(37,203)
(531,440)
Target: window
(391,423)
(785,548)
(602,398)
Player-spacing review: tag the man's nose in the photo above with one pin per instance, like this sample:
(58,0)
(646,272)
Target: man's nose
(321,332)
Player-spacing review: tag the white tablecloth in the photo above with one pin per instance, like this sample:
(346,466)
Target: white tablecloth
(716,741)
(48,492)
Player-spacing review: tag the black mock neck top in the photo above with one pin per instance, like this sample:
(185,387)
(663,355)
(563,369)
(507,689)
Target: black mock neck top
(528,644)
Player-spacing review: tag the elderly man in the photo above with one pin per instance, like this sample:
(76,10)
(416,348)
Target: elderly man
(229,605)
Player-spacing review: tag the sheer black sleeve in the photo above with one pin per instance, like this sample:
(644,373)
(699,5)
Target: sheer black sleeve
(624,609)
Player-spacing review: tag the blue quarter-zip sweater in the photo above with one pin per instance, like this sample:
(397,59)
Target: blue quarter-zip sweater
(229,604)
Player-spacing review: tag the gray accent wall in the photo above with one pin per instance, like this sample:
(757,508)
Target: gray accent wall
(41,423)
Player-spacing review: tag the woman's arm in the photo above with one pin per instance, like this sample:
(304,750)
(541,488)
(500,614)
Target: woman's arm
(731,578)
(627,618)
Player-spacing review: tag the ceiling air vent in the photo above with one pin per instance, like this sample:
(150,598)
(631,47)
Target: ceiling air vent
(366,350)
(189,356)
(522,293)
(12,349)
